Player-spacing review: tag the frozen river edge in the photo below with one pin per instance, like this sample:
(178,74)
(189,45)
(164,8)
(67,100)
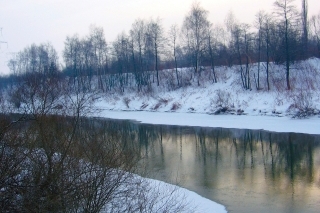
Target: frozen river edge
(255,122)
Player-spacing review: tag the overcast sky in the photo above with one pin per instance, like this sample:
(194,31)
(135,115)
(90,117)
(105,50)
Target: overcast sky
(24,22)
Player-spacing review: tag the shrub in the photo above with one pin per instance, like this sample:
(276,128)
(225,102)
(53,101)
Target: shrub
(222,102)
(144,105)
(222,99)
(302,105)
(175,106)
(126,101)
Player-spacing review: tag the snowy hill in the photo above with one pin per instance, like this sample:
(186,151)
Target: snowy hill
(227,96)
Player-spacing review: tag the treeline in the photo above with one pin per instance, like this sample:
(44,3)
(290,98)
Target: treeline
(282,36)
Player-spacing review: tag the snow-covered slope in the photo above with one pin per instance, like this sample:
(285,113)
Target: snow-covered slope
(227,96)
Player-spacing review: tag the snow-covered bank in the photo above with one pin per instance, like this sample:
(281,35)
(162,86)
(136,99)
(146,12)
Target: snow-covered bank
(194,105)
(227,96)
(195,202)
(276,124)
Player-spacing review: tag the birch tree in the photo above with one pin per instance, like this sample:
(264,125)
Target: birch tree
(173,37)
(287,12)
(195,30)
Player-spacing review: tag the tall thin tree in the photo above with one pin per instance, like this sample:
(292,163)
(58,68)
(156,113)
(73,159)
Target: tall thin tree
(195,28)
(286,10)
(305,27)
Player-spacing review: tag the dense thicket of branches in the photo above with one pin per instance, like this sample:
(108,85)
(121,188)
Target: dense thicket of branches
(54,159)
(282,36)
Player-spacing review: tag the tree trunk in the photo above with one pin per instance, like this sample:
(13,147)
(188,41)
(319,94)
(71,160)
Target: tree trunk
(287,56)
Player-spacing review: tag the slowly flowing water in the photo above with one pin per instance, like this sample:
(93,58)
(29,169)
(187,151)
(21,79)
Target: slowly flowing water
(245,170)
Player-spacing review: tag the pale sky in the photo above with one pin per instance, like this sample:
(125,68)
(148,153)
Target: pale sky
(25,22)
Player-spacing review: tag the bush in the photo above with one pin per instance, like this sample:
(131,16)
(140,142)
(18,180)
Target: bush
(222,102)
(126,101)
(222,98)
(161,101)
(302,105)
(175,106)
(53,159)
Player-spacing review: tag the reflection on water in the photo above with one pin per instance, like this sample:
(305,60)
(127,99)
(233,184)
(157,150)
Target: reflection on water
(245,170)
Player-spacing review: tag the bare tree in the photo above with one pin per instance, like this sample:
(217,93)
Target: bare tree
(247,50)
(35,59)
(72,56)
(287,12)
(195,30)
(121,51)
(11,159)
(59,161)
(155,30)
(138,34)
(99,53)
(173,36)
(267,28)
(315,28)
(305,27)
(241,44)
(87,57)
(231,38)
(213,43)
(259,25)
(139,42)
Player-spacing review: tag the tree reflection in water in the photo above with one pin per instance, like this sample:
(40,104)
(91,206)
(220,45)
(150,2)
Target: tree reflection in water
(243,169)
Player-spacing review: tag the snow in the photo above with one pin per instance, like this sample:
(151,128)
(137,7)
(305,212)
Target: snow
(210,97)
(269,123)
(195,203)
(194,105)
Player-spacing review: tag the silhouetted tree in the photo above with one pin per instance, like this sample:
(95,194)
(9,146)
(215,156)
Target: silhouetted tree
(195,31)
(173,37)
(287,12)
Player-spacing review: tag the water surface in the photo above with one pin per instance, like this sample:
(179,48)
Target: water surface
(245,170)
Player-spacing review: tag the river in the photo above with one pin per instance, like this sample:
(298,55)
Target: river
(245,170)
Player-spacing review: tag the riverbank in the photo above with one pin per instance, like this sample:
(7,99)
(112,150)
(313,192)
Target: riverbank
(195,203)
(225,104)
(227,96)
(268,123)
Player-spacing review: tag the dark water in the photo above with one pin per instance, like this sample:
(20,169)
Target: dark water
(245,170)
